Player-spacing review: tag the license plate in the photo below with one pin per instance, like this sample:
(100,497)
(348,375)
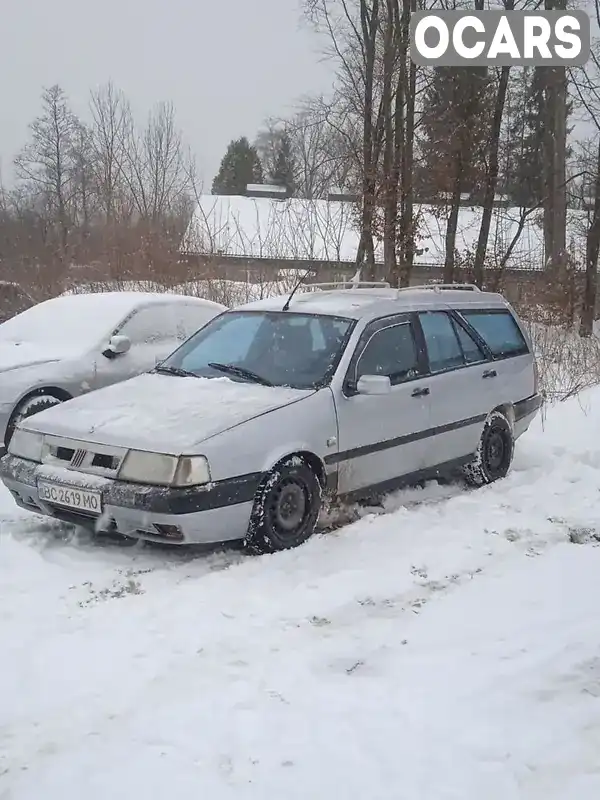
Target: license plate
(70,497)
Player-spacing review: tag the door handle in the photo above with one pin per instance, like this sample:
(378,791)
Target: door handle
(490,373)
(420,392)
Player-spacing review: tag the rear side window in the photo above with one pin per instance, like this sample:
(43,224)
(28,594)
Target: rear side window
(443,348)
(499,331)
(471,350)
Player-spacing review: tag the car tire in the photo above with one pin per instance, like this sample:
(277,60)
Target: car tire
(495,452)
(286,508)
(27,408)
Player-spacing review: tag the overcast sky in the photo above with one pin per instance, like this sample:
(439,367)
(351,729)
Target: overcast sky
(225,64)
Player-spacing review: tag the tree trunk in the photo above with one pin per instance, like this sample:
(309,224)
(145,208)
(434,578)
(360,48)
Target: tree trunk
(491,178)
(588,309)
(547,188)
(555,145)
(559,219)
(366,248)
(407,153)
(369,18)
(389,182)
(452,226)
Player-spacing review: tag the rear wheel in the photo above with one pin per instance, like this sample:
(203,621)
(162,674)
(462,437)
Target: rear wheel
(286,508)
(27,408)
(495,452)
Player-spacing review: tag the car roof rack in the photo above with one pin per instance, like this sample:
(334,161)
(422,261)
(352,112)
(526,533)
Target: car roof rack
(440,287)
(349,285)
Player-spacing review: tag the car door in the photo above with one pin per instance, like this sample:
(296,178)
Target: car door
(153,333)
(381,436)
(512,371)
(459,384)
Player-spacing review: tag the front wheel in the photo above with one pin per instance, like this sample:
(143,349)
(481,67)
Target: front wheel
(494,454)
(27,408)
(286,508)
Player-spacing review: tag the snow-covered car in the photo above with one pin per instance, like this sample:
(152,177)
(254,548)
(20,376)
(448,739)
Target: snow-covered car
(74,344)
(13,300)
(244,428)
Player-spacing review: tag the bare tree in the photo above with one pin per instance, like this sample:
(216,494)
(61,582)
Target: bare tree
(353,30)
(588,307)
(391,151)
(46,162)
(84,192)
(406,95)
(324,142)
(587,86)
(372,130)
(267,144)
(491,175)
(111,126)
(555,151)
(157,166)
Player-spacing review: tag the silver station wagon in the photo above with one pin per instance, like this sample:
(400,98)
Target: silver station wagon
(342,390)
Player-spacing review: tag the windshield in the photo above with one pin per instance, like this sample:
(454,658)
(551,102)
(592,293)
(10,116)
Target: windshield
(277,348)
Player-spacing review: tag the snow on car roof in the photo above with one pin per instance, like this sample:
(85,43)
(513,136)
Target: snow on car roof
(80,320)
(360,303)
(128,300)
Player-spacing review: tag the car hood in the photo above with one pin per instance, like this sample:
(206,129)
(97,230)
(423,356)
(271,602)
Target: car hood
(161,413)
(16,355)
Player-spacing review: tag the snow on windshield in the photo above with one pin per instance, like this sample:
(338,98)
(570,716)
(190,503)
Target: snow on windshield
(77,320)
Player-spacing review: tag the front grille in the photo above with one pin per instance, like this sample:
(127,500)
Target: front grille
(87,458)
(78,458)
(105,461)
(65,453)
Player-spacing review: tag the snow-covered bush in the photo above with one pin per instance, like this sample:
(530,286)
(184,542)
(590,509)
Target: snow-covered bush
(567,363)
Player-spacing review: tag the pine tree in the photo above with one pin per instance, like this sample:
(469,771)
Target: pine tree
(525,183)
(526,173)
(283,172)
(455,124)
(239,167)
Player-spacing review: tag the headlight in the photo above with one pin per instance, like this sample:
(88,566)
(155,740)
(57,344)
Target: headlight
(27,445)
(162,470)
(192,471)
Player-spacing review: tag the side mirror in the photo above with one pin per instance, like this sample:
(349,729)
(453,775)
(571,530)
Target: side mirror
(117,346)
(374,385)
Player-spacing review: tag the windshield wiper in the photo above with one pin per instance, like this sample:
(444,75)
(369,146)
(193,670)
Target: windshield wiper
(241,372)
(178,371)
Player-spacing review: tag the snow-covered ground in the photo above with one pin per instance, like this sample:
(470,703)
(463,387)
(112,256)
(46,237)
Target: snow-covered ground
(447,648)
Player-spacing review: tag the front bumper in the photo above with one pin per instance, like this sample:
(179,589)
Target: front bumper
(217,513)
